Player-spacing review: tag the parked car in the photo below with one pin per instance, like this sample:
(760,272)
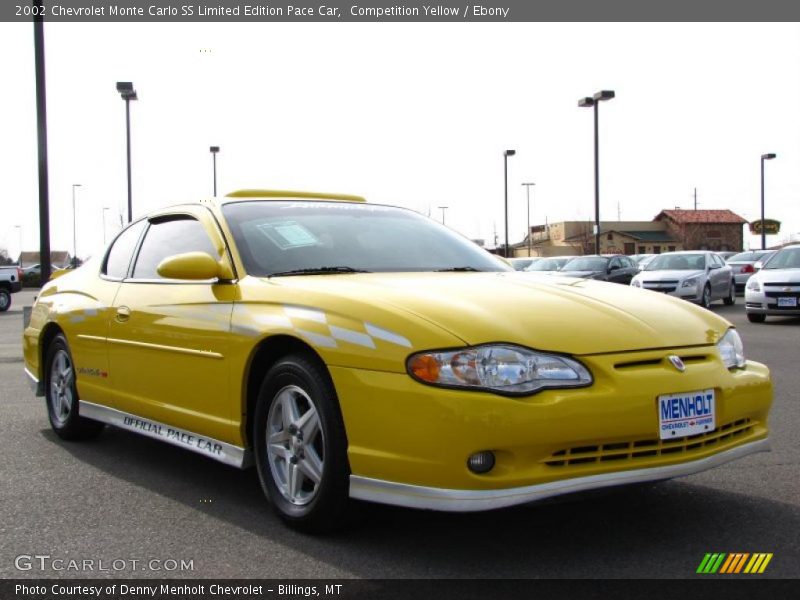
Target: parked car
(520,264)
(726,254)
(616,268)
(548,264)
(642,260)
(743,265)
(10,283)
(33,270)
(288,330)
(698,276)
(775,289)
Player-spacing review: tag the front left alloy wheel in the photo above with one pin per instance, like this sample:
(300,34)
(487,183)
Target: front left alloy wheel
(61,394)
(300,445)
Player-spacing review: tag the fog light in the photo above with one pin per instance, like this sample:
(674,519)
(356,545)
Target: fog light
(481,462)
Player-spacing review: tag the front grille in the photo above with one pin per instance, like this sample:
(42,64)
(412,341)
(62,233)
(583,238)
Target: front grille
(753,305)
(653,362)
(638,449)
(667,285)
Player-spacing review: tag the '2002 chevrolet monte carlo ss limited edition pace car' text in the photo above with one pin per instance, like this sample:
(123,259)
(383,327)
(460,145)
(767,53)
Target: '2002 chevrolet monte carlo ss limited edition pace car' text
(361,351)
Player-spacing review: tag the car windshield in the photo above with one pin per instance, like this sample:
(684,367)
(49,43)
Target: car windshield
(677,262)
(307,237)
(785,259)
(747,257)
(547,264)
(586,263)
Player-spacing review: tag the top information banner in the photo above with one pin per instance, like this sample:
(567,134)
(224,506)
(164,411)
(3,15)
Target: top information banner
(369,11)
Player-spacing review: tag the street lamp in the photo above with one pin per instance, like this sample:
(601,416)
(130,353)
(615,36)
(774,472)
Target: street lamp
(125,89)
(74,235)
(506,154)
(763,232)
(214,150)
(594,102)
(105,208)
(443,208)
(528,193)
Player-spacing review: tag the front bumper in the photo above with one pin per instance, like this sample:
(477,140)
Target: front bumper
(760,304)
(691,294)
(413,496)
(409,443)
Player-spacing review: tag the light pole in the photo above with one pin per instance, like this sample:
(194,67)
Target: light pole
(19,227)
(105,208)
(587,103)
(443,208)
(125,89)
(506,154)
(763,232)
(74,231)
(214,150)
(528,193)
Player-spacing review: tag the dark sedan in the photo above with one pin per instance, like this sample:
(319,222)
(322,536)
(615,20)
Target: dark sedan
(617,268)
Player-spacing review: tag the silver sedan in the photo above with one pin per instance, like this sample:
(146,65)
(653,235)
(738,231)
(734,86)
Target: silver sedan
(697,276)
(775,289)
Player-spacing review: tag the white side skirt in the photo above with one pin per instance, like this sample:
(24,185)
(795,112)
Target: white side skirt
(413,496)
(211,448)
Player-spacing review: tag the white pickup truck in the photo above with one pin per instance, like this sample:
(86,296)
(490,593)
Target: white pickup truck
(10,283)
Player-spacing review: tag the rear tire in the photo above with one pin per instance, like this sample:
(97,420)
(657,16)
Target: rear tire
(300,445)
(5,300)
(730,300)
(756,317)
(61,394)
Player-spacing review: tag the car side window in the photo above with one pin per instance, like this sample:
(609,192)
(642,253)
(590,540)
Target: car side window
(119,256)
(615,263)
(167,237)
(717,260)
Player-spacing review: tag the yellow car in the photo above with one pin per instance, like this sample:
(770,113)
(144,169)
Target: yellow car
(359,351)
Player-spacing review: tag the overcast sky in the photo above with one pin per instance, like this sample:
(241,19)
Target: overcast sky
(416,115)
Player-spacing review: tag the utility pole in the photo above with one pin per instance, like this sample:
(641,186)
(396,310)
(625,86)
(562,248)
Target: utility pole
(695,198)
(443,208)
(528,191)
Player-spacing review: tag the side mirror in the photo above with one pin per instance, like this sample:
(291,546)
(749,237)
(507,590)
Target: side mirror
(613,268)
(194,266)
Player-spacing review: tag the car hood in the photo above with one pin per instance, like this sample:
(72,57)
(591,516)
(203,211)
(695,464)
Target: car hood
(575,316)
(581,274)
(779,275)
(668,275)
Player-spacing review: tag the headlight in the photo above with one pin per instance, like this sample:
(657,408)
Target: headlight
(691,282)
(731,349)
(500,368)
(635,283)
(753,285)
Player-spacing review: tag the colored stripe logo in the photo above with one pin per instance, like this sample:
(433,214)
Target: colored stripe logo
(734,563)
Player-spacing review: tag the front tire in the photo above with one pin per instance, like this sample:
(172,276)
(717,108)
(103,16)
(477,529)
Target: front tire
(61,394)
(705,299)
(5,300)
(756,317)
(301,446)
(730,300)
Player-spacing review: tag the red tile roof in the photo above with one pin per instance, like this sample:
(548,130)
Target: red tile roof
(723,216)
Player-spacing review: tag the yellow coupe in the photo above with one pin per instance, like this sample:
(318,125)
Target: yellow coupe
(354,350)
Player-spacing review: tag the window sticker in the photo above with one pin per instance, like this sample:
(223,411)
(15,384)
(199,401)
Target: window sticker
(288,234)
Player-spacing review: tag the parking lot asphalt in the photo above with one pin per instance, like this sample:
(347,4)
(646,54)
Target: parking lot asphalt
(128,498)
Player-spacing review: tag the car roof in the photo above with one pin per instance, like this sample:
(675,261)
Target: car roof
(262,194)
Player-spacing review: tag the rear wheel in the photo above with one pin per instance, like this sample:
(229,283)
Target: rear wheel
(62,394)
(756,317)
(5,300)
(300,445)
(730,300)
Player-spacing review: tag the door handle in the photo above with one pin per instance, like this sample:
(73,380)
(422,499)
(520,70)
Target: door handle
(123,313)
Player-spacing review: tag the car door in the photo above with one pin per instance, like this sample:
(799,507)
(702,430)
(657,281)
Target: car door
(617,273)
(169,339)
(719,276)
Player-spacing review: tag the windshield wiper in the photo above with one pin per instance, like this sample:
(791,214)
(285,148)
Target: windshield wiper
(318,271)
(458,270)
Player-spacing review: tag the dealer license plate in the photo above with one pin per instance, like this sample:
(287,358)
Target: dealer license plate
(685,414)
(787,301)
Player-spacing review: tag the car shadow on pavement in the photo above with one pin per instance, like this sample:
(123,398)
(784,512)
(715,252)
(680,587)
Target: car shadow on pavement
(652,530)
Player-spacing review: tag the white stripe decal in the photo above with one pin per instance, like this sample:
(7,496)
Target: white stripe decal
(308,314)
(387,336)
(317,339)
(354,337)
(273,320)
